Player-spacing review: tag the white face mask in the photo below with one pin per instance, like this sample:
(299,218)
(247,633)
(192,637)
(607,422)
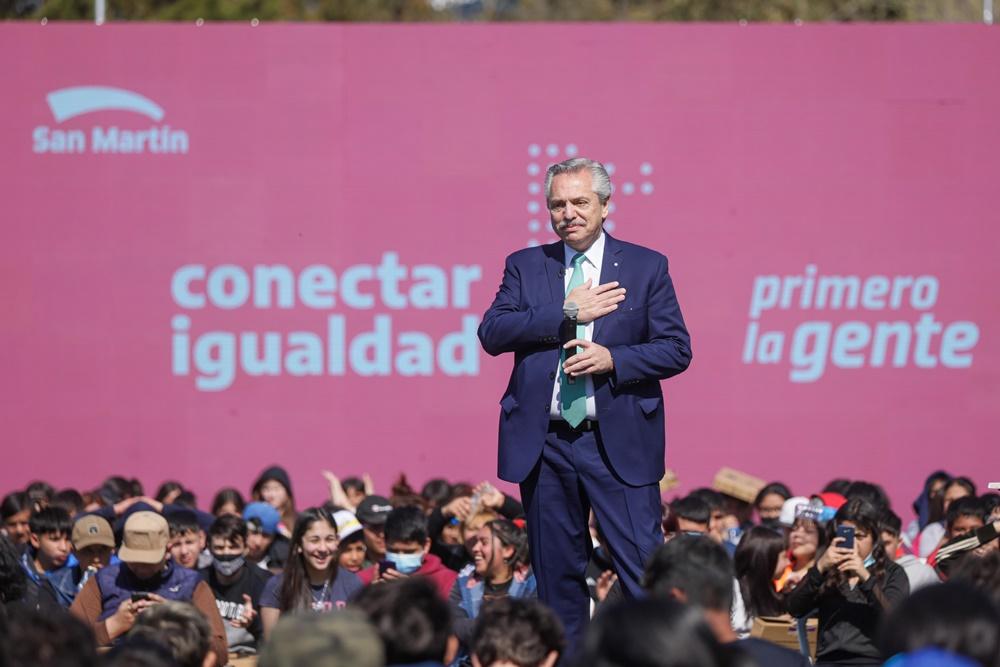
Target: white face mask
(228,565)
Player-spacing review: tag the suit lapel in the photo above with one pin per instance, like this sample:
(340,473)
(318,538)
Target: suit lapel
(555,256)
(610,269)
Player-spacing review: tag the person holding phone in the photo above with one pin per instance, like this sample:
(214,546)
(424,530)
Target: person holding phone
(113,599)
(853,583)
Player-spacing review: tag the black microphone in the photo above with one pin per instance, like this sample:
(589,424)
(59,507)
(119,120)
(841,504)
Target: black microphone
(567,328)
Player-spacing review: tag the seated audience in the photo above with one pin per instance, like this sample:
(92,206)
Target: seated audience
(344,639)
(237,586)
(112,600)
(412,620)
(312,579)
(852,588)
(512,632)
(408,553)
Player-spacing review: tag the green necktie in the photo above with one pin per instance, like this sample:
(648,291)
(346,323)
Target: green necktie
(573,395)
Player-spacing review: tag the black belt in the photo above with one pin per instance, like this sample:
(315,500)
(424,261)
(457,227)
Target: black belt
(561,425)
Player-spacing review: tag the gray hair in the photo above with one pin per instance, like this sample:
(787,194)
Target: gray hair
(598,176)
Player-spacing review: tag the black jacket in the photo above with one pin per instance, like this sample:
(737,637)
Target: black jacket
(849,618)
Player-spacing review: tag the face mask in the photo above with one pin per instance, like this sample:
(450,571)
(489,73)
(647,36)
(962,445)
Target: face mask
(405,563)
(771,522)
(228,565)
(869,561)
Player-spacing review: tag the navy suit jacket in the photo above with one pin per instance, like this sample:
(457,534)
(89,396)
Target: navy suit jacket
(646,336)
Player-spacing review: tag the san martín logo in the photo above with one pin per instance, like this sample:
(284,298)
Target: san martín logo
(67,103)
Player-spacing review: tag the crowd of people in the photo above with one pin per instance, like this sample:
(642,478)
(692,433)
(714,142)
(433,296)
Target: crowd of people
(442,576)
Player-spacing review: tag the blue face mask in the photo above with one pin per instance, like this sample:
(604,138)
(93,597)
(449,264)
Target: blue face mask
(405,563)
(869,561)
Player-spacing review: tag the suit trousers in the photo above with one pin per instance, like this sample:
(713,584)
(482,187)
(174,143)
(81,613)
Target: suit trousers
(572,477)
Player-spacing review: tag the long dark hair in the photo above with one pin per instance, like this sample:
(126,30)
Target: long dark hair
(755,559)
(864,515)
(295,592)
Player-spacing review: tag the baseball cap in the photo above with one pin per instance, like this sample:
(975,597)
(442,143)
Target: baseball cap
(374,510)
(92,529)
(265,515)
(347,523)
(789,510)
(144,538)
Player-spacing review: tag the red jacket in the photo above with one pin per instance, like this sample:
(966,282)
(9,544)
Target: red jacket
(432,568)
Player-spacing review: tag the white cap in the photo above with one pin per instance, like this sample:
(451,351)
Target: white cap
(347,523)
(788,510)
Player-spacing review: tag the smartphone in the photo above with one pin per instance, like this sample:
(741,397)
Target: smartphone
(846,532)
(138,597)
(384,565)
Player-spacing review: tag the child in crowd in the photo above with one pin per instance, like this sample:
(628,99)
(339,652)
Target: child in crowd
(517,633)
(187,539)
(15,509)
(237,586)
(352,548)
(768,503)
(918,573)
(372,513)
(501,568)
(408,552)
(44,561)
(93,546)
(274,487)
(933,534)
(805,540)
(312,578)
(228,501)
(852,588)
(693,515)
(760,559)
(266,548)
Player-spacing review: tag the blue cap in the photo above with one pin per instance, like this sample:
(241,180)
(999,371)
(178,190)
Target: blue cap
(265,515)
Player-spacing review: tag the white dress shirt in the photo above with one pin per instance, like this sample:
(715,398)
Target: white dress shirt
(591,271)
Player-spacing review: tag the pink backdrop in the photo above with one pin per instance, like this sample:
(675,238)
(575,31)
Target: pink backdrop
(748,155)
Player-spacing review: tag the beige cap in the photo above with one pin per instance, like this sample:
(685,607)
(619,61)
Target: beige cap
(90,530)
(145,538)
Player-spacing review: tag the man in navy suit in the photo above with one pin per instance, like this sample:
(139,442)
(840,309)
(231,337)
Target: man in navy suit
(581,425)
